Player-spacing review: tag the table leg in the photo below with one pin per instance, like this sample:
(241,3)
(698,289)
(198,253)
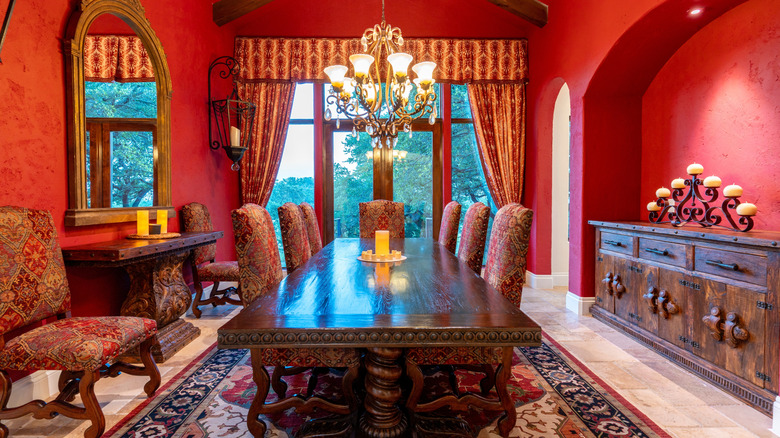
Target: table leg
(255,425)
(383,417)
(503,373)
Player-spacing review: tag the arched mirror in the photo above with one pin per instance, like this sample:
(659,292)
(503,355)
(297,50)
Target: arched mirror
(119,93)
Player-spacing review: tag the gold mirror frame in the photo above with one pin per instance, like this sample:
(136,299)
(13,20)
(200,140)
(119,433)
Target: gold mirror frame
(132,13)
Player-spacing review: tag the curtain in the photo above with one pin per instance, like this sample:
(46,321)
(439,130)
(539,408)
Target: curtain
(116,58)
(261,161)
(498,110)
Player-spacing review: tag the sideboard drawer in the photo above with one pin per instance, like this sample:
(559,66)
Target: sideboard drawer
(617,242)
(663,252)
(734,265)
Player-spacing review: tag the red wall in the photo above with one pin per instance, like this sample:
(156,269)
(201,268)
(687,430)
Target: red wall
(717,102)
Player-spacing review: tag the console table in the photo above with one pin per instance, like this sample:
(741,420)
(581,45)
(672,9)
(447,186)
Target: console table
(157,287)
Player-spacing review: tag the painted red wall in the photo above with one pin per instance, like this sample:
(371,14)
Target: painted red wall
(716,102)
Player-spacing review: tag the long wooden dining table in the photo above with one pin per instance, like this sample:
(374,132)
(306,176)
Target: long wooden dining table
(334,300)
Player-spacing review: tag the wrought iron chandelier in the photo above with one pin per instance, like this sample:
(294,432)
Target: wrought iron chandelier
(382,109)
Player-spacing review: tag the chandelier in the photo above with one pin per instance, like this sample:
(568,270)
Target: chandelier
(382,109)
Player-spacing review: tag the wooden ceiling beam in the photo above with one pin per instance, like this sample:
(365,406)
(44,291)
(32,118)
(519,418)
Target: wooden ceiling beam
(531,10)
(225,11)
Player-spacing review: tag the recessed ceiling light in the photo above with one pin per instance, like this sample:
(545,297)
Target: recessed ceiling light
(695,11)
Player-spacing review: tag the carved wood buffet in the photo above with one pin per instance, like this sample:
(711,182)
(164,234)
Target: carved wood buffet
(707,299)
(157,287)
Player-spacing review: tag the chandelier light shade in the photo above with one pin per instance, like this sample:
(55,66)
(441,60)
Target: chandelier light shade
(231,121)
(378,102)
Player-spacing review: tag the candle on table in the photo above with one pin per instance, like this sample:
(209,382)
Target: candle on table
(746,209)
(678,183)
(142,222)
(382,242)
(695,169)
(712,181)
(162,219)
(732,191)
(652,206)
(663,192)
(235,136)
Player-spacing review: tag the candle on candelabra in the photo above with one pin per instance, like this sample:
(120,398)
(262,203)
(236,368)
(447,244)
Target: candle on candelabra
(712,181)
(678,183)
(746,209)
(663,192)
(732,191)
(653,206)
(695,169)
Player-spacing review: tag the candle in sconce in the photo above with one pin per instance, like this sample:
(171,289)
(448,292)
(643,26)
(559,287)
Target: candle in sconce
(695,169)
(712,181)
(653,206)
(162,219)
(746,209)
(678,183)
(235,136)
(663,192)
(732,191)
(382,242)
(142,222)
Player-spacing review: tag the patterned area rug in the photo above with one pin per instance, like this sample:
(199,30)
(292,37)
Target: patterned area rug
(555,395)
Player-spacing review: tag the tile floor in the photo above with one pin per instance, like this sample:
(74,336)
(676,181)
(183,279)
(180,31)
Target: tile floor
(681,403)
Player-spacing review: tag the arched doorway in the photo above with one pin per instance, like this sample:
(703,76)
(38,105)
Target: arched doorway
(560,188)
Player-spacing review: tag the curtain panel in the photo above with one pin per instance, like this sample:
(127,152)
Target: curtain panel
(120,58)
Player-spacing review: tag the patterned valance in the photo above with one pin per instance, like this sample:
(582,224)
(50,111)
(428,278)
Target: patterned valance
(118,58)
(458,60)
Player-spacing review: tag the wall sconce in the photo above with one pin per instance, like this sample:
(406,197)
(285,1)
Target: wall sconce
(233,118)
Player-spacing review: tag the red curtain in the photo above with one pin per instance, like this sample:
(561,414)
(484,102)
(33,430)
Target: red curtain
(118,58)
(261,161)
(498,110)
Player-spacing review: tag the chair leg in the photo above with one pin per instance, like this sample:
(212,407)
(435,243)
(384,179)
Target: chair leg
(348,388)
(415,374)
(145,353)
(93,411)
(213,293)
(255,425)
(279,385)
(198,297)
(487,383)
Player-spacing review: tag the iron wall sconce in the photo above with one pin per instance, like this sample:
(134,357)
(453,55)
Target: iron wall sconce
(233,119)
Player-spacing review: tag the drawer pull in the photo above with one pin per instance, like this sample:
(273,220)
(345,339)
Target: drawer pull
(718,263)
(657,251)
(613,242)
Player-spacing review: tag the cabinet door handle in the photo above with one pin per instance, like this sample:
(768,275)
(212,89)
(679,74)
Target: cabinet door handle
(657,251)
(613,242)
(718,263)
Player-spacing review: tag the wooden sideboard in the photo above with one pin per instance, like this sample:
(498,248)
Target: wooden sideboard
(706,299)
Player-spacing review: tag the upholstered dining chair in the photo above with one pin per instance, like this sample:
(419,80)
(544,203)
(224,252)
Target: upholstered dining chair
(260,270)
(196,217)
(448,231)
(33,287)
(312,228)
(295,238)
(381,215)
(509,240)
(472,242)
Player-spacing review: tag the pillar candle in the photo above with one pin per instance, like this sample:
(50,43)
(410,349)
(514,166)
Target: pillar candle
(678,183)
(162,219)
(142,222)
(732,191)
(712,181)
(663,192)
(235,136)
(746,209)
(382,241)
(695,169)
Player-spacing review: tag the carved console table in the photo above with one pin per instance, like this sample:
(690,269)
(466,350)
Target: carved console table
(157,287)
(707,299)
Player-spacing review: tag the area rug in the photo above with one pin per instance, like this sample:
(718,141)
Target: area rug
(555,395)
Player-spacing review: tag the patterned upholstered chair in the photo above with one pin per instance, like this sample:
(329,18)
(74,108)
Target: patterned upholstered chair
(33,287)
(448,232)
(382,215)
(505,271)
(472,242)
(312,229)
(260,271)
(196,217)
(295,238)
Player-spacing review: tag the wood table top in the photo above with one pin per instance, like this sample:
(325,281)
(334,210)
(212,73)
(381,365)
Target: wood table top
(130,250)
(336,300)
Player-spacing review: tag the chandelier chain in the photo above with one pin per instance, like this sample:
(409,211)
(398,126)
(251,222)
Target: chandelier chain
(383,12)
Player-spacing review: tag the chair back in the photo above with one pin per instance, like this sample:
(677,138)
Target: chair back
(260,267)
(312,229)
(448,231)
(196,218)
(472,242)
(506,263)
(33,285)
(382,215)
(295,239)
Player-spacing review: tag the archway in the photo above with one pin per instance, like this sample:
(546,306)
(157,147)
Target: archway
(561,135)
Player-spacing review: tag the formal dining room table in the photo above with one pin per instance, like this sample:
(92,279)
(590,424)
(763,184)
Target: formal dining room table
(335,300)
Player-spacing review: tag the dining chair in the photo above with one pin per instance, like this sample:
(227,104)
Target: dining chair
(34,288)
(472,242)
(312,228)
(261,270)
(509,241)
(196,218)
(381,214)
(295,238)
(448,231)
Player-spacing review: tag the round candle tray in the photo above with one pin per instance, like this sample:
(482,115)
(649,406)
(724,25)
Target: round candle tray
(153,236)
(369,256)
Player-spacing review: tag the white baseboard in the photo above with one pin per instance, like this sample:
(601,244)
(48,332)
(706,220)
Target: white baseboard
(560,279)
(538,281)
(40,385)
(579,305)
(776,417)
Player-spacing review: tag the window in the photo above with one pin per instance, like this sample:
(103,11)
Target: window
(295,179)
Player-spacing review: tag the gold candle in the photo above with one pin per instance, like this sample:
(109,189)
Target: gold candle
(652,206)
(678,183)
(732,191)
(746,209)
(695,169)
(162,219)
(382,241)
(142,222)
(663,192)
